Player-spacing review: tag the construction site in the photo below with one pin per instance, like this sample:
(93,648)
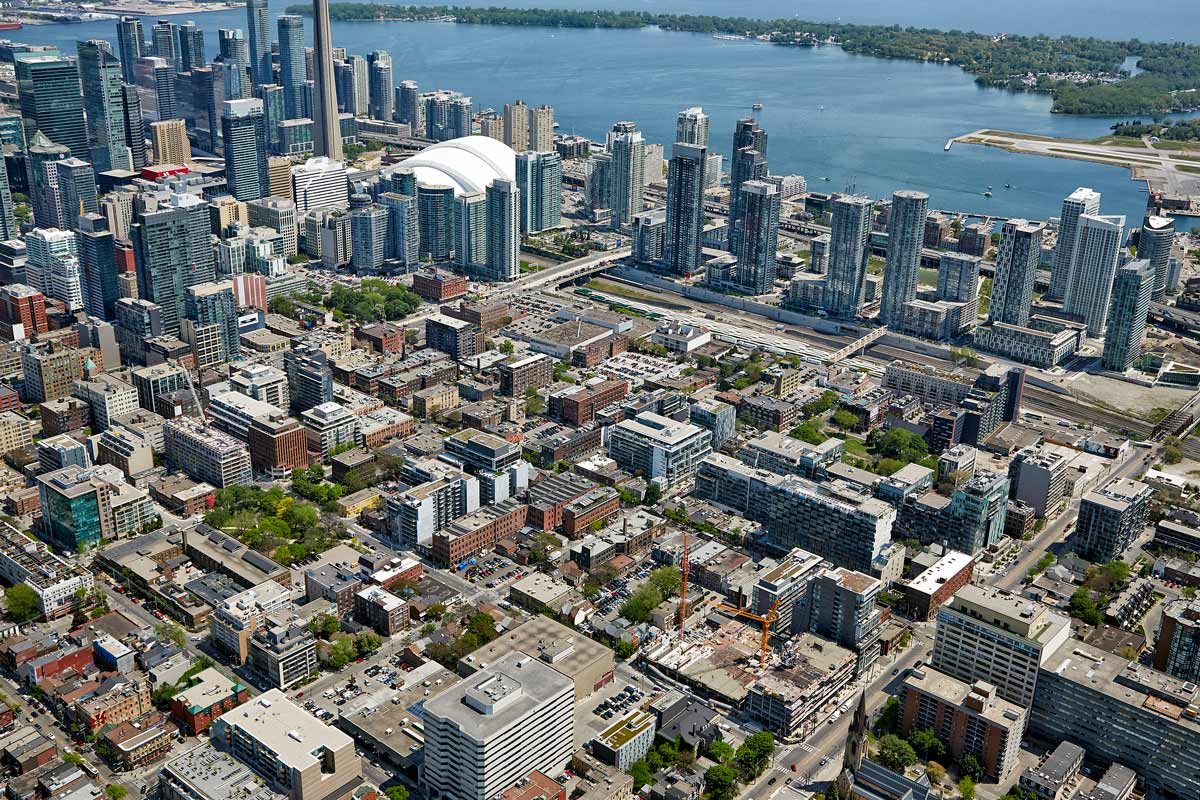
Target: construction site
(789,686)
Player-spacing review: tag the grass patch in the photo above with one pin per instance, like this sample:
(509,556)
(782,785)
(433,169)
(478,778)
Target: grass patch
(856,447)
(927,276)
(875,265)
(1164,144)
(1103,158)
(1189,169)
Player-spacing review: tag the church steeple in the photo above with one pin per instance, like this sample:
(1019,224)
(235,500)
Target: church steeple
(856,743)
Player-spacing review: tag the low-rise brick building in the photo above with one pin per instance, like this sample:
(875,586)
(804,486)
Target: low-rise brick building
(591,509)
(483,528)
(208,695)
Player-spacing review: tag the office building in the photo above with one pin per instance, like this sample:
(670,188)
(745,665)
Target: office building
(989,635)
(51,103)
(847,272)
(486,733)
(205,454)
(131,45)
(320,183)
(156,88)
(1110,519)
(684,234)
(1131,294)
(626,172)
(759,205)
(460,339)
(53,265)
(81,506)
(100,76)
(1082,201)
(1093,268)
(657,447)
(906,236)
(539,182)
(258,20)
(76,191)
(23,310)
(56,582)
(172,251)
(1154,244)
(1017,261)
(297,754)
(278,444)
(245,134)
(503,231)
(49,371)
(8,220)
(42,161)
(291,64)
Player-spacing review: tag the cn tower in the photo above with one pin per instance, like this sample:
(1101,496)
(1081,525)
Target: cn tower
(327,135)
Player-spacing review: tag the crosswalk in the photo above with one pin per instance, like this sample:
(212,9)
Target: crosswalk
(806,747)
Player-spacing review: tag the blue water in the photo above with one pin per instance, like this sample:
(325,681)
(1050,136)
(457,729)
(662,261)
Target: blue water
(871,124)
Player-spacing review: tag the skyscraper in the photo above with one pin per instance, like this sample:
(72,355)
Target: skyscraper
(460,120)
(380,85)
(258,20)
(847,255)
(1154,244)
(626,173)
(760,204)
(539,180)
(8,220)
(271,95)
(906,236)
(1016,265)
(135,125)
(41,163)
(958,277)
(541,128)
(749,163)
(503,230)
(291,64)
(343,80)
(76,190)
(97,260)
(244,131)
(166,42)
(1081,201)
(1132,291)
(685,209)
(362,85)
(470,231)
(171,142)
(516,125)
(403,243)
(368,237)
(172,250)
(191,47)
(1093,266)
(327,138)
(235,52)
(435,212)
(48,88)
(691,127)
(100,74)
(410,105)
(131,45)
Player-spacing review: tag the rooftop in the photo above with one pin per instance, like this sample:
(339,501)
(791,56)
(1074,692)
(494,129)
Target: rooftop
(949,565)
(212,775)
(286,729)
(499,695)
(662,430)
(208,688)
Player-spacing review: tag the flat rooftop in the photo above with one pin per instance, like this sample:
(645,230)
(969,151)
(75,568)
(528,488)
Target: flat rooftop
(285,728)
(213,775)
(946,567)
(208,688)
(497,696)
(662,430)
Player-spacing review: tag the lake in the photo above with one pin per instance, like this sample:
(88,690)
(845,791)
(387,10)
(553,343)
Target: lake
(868,124)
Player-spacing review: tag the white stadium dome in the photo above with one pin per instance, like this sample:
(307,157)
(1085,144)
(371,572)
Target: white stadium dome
(468,164)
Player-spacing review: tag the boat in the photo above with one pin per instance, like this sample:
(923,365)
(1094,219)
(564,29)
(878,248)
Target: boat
(1008,186)
(757,106)
(824,179)
(989,188)
(987,194)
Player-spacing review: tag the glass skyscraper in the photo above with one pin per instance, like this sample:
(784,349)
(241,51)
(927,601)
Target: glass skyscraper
(685,209)
(48,88)
(244,131)
(291,64)
(847,255)
(258,20)
(760,203)
(539,179)
(100,74)
(906,237)
(1132,290)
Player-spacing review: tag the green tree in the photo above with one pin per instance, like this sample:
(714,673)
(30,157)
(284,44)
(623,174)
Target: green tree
(898,444)
(666,579)
(895,753)
(720,751)
(506,347)
(624,649)
(966,787)
(844,419)
(936,773)
(396,792)
(641,774)
(969,766)
(115,791)
(889,717)
(367,642)
(754,755)
(342,652)
(171,632)
(653,494)
(927,744)
(720,783)
(1083,607)
(324,625)
(21,602)
(72,758)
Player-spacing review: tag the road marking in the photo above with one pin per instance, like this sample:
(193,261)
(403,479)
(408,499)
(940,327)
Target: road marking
(806,747)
